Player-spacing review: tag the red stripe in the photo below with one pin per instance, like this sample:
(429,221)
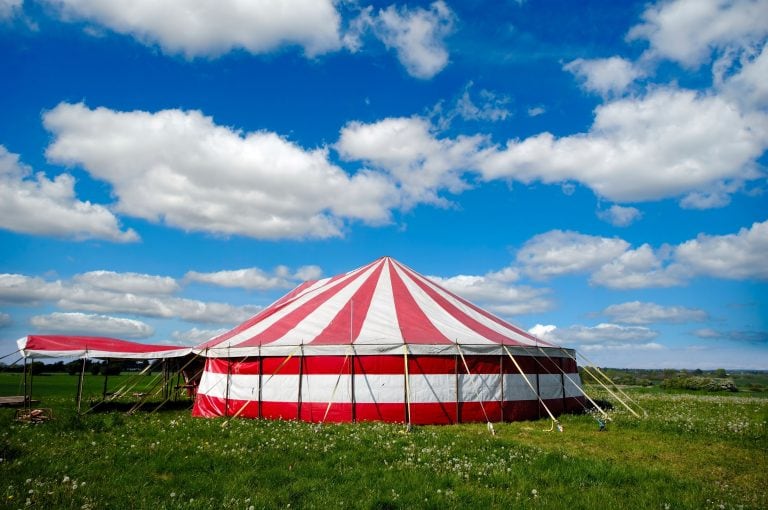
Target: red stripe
(292,319)
(389,364)
(421,414)
(346,326)
(461,316)
(271,310)
(415,326)
(91,343)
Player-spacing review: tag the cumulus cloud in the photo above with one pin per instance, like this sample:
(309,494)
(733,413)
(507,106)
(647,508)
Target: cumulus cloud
(689,31)
(614,263)
(605,76)
(604,336)
(742,79)
(668,143)
(558,252)
(210,28)
(637,312)
(78,294)
(620,216)
(35,204)
(196,336)
(417,36)
(90,324)
(407,149)
(733,256)
(641,268)
(495,292)
(255,278)
(179,168)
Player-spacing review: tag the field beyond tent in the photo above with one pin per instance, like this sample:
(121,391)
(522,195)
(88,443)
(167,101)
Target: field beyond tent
(691,451)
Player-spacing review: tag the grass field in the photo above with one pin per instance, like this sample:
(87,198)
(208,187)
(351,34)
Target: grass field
(691,451)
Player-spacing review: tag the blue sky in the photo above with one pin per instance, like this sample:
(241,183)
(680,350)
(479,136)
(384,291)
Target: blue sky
(592,171)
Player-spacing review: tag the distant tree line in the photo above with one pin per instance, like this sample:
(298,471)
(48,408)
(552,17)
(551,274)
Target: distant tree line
(668,378)
(94,367)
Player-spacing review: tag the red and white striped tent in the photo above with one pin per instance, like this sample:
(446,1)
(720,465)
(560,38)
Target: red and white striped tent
(385,343)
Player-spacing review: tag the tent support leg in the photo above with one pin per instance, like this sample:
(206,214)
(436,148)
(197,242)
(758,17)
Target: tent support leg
(106,377)
(80,386)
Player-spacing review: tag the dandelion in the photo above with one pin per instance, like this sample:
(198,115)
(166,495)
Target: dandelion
(173,494)
(65,479)
(534,493)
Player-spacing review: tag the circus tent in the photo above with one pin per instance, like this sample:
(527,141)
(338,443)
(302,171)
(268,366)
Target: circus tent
(383,342)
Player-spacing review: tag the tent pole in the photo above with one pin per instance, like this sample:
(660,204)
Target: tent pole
(106,378)
(456,378)
(80,385)
(27,401)
(261,378)
(301,376)
(229,377)
(352,382)
(501,377)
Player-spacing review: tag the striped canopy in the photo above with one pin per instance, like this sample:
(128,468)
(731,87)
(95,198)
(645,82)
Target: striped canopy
(375,309)
(76,346)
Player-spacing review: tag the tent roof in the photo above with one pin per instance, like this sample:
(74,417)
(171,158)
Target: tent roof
(374,309)
(70,346)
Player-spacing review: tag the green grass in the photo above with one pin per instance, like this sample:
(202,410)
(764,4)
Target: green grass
(691,451)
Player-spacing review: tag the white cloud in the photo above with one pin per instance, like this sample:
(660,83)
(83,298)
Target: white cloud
(255,278)
(535,111)
(494,292)
(606,76)
(134,283)
(604,336)
(640,268)
(688,31)
(213,27)
(492,106)
(637,312)
(406,149)
(79,295)
(82,298)
(5,319)
(41,206)
(558,252)
(488,106)
(613,263)
(9,8)
(743,336)
(668,143)
(746,85)
(181,169)
(734,256)
(196,336)
(620,216)
(417,36)
(90,324)
(19,289)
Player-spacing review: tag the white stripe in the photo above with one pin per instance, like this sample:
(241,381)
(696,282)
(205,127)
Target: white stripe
(383,388)
(572,386)
(482,319)
(380,326)
(550,386)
